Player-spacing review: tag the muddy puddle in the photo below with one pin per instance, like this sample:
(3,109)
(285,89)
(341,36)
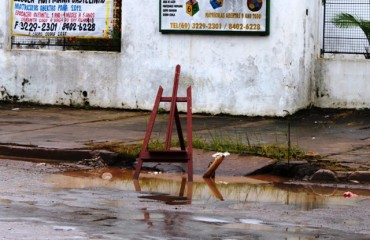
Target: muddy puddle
(238,192)
(107,204)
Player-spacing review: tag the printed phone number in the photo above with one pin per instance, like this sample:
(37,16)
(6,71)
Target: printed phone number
(50,27)
(215,26)
(195,26)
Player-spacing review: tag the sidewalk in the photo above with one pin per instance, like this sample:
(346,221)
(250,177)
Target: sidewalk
(62,133)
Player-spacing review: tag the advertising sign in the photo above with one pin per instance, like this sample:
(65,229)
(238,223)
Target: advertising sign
(61,18)
(215,16)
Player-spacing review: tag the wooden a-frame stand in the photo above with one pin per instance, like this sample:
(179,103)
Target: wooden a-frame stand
(184,155)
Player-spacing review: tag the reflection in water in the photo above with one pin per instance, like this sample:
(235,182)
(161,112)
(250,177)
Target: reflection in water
(98,205)
(174,189)
(212,186)
(169,199)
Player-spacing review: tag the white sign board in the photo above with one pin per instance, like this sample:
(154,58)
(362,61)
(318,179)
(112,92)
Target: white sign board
(61,18)
(215,16)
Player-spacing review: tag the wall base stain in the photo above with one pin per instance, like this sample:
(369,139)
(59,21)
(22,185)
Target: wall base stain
(6,96)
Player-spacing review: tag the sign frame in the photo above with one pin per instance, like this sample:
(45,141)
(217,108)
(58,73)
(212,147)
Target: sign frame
(64,19)
(206,28)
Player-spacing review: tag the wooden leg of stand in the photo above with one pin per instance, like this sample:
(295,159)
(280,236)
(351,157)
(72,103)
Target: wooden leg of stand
(190,170)
(182,187)
(139,165)
(137,185)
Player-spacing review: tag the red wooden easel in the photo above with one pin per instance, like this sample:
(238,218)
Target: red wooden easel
(184,155)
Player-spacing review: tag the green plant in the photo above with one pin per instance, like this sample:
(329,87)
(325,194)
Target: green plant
(346,20)
(221,143)
(216,143)
(85,106)
(127,151)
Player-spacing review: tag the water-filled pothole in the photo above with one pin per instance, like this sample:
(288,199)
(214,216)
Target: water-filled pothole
(237,192)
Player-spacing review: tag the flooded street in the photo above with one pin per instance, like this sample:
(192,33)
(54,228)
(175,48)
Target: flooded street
(45,201)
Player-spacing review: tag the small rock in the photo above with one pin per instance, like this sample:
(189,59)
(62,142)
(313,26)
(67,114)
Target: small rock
(303,170)
(305,178)
(324,175)
(107,176)
(360,176)
(312,155)
(342,175)
(95,162)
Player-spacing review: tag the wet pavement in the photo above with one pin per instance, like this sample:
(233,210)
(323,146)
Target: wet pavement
(44,201)
(63,133)
(48,199)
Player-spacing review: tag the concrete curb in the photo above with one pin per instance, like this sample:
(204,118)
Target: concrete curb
(302,170)
(111,158)
(324,175)
(69,155)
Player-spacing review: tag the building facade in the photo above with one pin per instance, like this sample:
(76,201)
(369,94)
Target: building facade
(229,73)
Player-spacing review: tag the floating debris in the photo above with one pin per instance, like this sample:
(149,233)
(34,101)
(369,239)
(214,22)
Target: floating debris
(349,195)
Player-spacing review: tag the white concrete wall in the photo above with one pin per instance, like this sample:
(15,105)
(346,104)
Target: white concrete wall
(230,74)
(244,75)
(343,83)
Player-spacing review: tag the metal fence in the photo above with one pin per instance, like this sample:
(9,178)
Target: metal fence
(351,40)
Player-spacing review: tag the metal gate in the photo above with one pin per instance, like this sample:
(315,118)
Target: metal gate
(350,39)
